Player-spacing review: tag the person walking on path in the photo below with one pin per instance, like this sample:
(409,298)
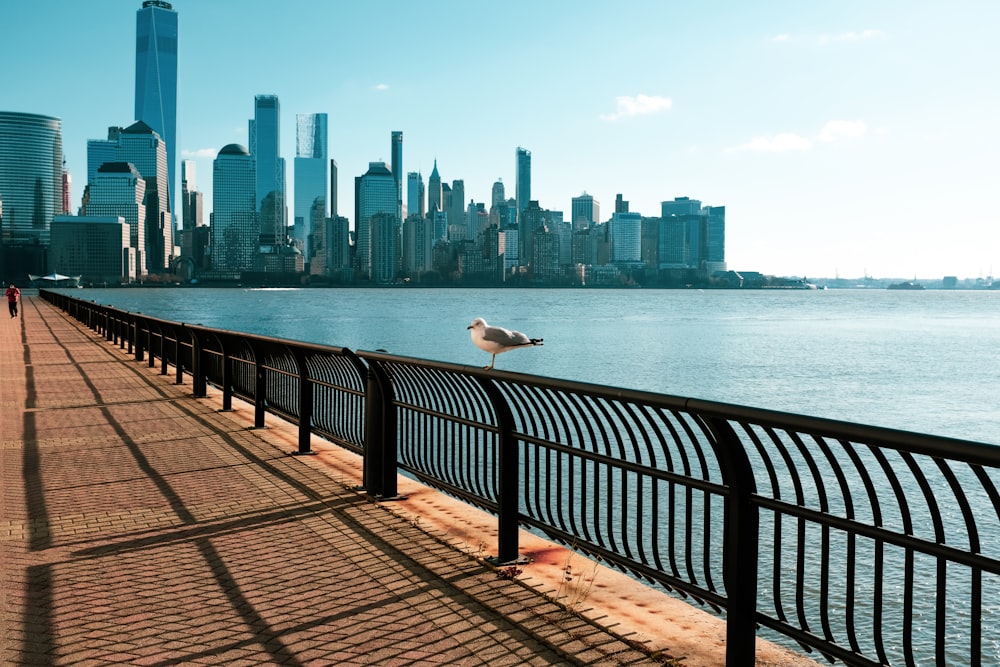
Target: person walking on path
(13,294)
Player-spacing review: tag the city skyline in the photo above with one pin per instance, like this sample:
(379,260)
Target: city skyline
(841,140)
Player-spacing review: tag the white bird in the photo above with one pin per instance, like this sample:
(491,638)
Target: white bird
(497,339)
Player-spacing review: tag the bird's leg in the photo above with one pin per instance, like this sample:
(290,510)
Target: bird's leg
(492,361)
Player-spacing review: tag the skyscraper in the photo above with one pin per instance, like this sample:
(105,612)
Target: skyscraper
(265,147)
(498,195)
(376,198)
(415,194)
(310,176)
(156,80)
(397,170)
(141,146)
(191,198)
(234,215)
(119,190)
(434,194)
(523,185)
(31,156)
(585,211)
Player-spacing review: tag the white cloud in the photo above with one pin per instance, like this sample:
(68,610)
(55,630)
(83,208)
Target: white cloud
(200,153)
(640,105)
(834,130)
(382,86)
(842,129)
(783,37)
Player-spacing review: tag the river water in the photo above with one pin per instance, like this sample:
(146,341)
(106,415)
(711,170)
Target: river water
(922,361)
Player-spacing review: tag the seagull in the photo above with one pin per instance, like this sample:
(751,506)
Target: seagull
(497,339)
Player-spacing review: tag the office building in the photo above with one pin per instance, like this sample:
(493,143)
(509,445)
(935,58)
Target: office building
(375,196)
(265,147)
(310,178)
(234,225)
(141,146)
(100,151)
(434,190)
(95,248)
(456,209)
(156,81)
(191,198)
(523,185)
(31,158)
(626,238)
(415,195)
(585,212)
(530,221)
(333,189)
(119,190)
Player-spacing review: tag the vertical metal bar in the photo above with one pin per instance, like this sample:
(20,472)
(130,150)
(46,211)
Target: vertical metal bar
(305,403)
(139,350)
(198,385)
(260,390)
(508,477)
(740,546)
(227,378)
(380,435)
(178,364)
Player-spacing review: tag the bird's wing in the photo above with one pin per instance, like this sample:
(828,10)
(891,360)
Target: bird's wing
(505,337)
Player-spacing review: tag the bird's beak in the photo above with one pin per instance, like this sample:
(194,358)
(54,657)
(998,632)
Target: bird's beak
(469,327)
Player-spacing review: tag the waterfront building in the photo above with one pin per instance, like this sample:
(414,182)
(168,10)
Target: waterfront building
(234,224)
(585,212)
(31,159)
(375,196)
(265,147)
(530,220)
(191,199)
(523,184)
(310,178)
(545,254)
(626,238)
(141,146)
(156,81)
(418,245)
(415,194)
(434,190)
(439,221)
(507,246)
(96,248)
(715,245)
(384,237)
(119,190)
(477,219)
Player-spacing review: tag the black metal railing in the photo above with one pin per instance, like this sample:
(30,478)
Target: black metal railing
(864,544)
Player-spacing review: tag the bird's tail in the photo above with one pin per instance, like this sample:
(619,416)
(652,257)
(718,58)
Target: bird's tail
(537,341)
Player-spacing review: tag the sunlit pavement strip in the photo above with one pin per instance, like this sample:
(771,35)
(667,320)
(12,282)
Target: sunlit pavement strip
(141,526)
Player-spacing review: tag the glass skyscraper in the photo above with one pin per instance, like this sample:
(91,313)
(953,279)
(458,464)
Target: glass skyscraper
(141,146)
(310,177)
(265,147)
(523,184)
(376,198)
(31,157)
(234,215)
(119,189)
(156,79)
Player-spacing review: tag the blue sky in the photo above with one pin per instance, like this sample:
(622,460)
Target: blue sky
(843,137)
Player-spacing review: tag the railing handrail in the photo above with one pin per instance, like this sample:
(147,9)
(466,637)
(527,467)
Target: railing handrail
(639,479)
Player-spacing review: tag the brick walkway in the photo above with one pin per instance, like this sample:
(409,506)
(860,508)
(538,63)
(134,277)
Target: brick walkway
(139,525)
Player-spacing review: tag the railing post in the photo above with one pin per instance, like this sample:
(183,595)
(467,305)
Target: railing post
(508,478)
(740,551)
(379,476)
(227,379)
(128,331)
(149,345)
(260,390)
(198,384)
(138,341)
(305,404)
(178,364)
